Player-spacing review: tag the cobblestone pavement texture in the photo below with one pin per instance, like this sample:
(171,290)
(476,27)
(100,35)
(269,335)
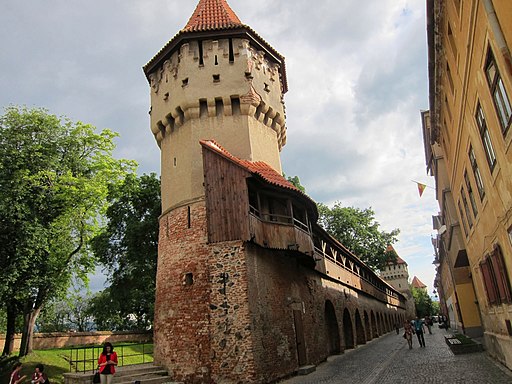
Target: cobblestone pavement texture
(388,360)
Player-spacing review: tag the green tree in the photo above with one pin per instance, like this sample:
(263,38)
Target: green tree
(54,179)
(296,182)
(422,301)
(73,312)
(358,230)
(128,248)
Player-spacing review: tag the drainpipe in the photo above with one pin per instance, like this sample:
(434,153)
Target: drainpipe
(498,34)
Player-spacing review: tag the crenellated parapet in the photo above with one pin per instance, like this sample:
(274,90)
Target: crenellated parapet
(217,79)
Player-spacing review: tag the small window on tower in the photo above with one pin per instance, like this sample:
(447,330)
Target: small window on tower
(184,82)
(266,88)
(216,78)
(188,279)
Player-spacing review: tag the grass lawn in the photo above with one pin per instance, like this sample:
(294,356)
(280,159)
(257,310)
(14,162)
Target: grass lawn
(56,361)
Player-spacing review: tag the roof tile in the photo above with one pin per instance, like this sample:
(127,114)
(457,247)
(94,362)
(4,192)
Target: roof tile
(212,15)
(416,283)
(260,168)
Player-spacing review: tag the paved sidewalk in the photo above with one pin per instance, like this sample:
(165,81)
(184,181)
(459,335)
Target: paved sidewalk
(388,360)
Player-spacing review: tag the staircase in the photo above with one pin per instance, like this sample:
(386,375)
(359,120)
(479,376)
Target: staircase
(145,373)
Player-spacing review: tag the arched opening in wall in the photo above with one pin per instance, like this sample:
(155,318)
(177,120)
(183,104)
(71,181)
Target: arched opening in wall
(360,337)
(382,325)
(332,330)
(375,331)
(367,326)
(348,330)
(379,324)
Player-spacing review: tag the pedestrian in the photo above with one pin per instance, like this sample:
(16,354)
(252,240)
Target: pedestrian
(408,333)
(418,329)
(107,363)
(39,377)
(16,378)
(397,328)
(428,323)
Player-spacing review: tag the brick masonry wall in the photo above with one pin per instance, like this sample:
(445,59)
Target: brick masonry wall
(181,324)
(69,339)
(232,320)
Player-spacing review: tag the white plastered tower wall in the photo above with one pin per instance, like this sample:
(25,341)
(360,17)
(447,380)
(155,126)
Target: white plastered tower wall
(224,90)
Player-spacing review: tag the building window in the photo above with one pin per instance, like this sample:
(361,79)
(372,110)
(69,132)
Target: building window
(470,194)
(499,94)
(461,212)
(476,173)
(466,207)
(495,277)
(484,135)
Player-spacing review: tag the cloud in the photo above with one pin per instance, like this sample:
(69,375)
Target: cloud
(357,75)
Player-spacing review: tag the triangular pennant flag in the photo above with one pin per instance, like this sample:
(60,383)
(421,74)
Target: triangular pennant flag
(421,188)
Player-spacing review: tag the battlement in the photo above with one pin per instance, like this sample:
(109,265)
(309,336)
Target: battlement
(217,78)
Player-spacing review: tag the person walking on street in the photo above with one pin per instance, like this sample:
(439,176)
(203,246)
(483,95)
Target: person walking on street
(428,323)
(408,333)
(419,328)
(107,363)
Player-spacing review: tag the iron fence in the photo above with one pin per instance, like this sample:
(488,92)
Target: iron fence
(84,359)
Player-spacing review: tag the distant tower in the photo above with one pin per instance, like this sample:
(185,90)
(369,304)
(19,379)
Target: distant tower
(216,79)
(396,274)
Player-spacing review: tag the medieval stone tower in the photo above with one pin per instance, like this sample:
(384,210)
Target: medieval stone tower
(249,287)
(397,275)
(216,79)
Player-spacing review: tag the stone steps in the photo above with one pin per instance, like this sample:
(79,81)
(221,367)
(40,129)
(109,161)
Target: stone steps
(143,373)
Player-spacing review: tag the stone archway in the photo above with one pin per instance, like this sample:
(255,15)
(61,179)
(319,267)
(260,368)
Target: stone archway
(332,329)
(375,330)
(360,336)
(348,330)
(367,326)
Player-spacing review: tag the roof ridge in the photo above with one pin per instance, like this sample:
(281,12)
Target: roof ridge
(212,14)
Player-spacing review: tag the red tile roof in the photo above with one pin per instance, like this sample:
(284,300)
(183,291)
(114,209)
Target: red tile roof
(212,14)
(260,168)
(399,260)
(416,283)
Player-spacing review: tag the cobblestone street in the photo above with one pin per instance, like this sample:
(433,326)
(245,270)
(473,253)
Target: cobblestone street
(388,360)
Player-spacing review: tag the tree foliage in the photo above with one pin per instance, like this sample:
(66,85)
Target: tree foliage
(358,230)
(128,248)
(71,313)
(423,302)
(54,179)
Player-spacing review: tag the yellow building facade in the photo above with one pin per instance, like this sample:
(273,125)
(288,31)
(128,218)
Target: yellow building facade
(468,147)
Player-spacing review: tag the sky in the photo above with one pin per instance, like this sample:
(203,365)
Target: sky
(357,79)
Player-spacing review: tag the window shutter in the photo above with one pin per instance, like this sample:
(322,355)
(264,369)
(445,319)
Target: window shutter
(501,275)
(489,286)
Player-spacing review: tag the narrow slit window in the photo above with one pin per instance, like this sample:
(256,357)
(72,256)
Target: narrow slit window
(201,58)
(216,60)
(189,223)
(203,108)
(235,106)
(170,121)
(231,52)
(188,279)
(219,107)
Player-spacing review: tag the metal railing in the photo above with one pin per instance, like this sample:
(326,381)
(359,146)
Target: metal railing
(84,359)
